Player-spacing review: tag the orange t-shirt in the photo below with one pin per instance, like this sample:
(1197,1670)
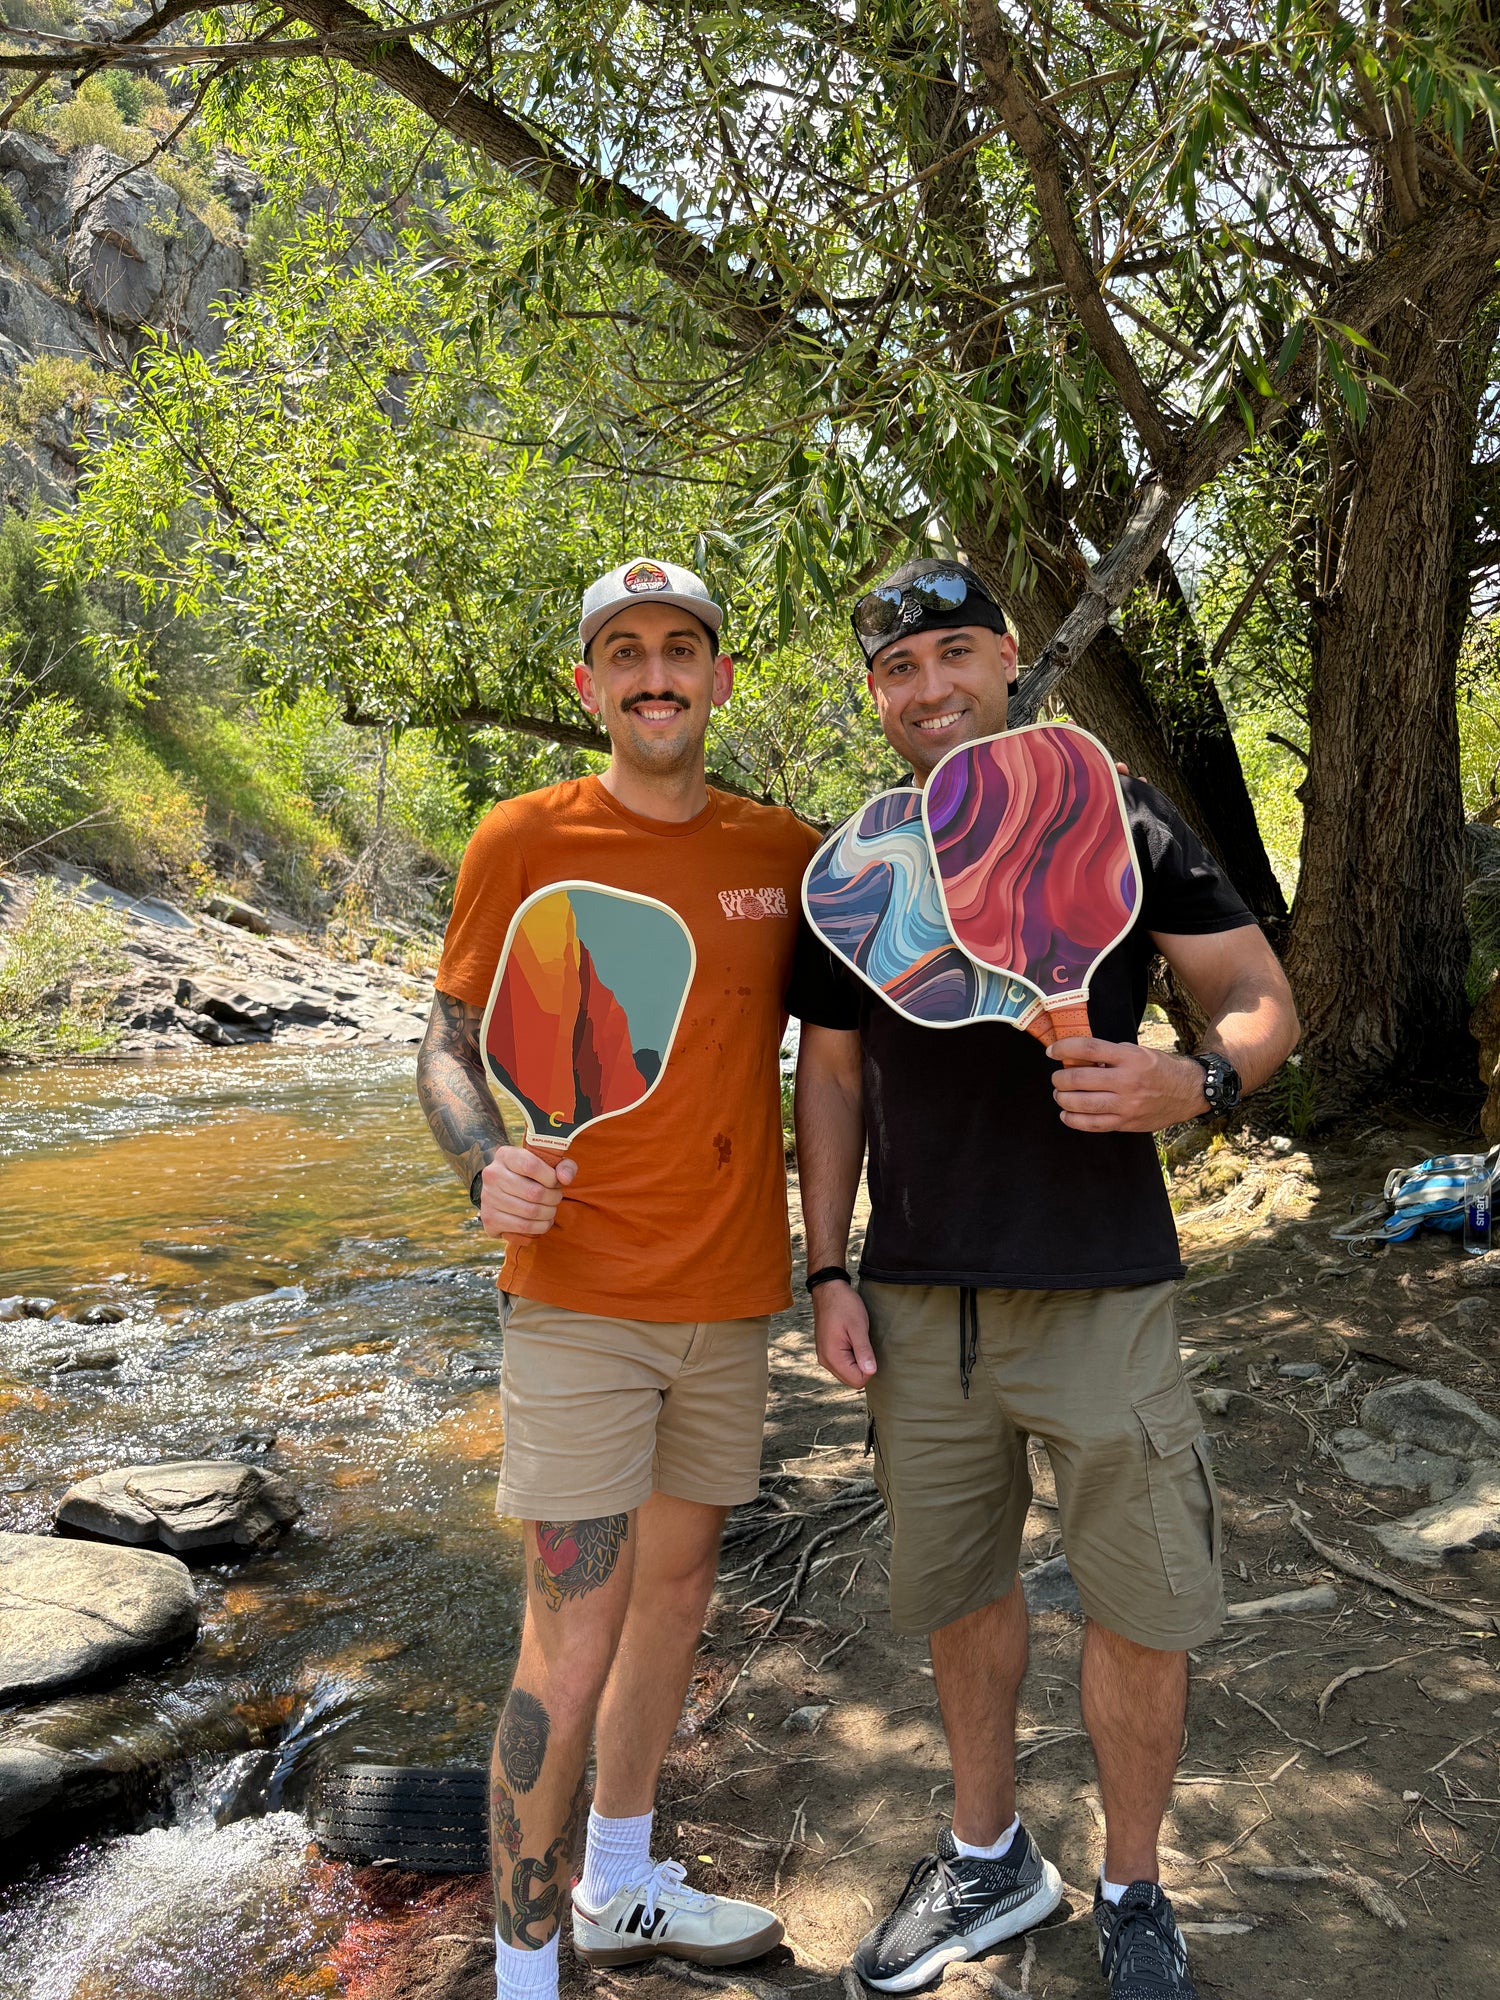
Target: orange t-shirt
(678,1211)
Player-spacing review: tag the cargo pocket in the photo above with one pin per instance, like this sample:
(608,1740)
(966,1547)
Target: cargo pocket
(1179,1477)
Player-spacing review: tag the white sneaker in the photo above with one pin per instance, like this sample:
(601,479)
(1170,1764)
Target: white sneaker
(659,1917)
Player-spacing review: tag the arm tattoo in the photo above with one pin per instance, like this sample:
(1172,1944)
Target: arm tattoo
(575,1557)
(452,1090)
(521,1742)
(535,1895)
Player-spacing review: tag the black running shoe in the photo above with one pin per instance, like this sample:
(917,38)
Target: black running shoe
(1141,1952)
(954,1907)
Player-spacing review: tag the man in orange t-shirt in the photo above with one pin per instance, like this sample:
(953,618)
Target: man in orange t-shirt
(639,1276)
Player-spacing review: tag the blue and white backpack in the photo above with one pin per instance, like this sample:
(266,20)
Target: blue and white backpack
(1429,1195)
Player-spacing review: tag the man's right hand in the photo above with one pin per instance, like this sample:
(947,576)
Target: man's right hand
(841,1327)
(519,1192)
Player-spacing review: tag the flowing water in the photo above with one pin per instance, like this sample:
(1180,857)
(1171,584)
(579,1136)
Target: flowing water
(305,1285)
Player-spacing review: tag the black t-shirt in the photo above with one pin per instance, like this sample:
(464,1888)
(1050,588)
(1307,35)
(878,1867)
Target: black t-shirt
(974,1178)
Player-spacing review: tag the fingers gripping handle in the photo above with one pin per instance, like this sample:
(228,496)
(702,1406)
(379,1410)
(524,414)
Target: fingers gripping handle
(1070,1017)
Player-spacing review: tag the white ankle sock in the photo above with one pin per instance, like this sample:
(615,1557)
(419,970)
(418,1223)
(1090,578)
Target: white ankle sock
(526,1975)
(618,1855)
(993,1853)
(1111,1891)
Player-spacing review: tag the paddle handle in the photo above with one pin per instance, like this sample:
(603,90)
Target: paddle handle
(553,1151)
(1070,1017)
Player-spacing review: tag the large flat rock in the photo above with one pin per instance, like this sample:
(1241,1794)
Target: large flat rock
(72,1611)
(189,1504)
(1467,1519)
(1418,1411)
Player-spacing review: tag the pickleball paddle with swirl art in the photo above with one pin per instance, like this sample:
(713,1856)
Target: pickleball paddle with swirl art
(1034,859)
(585,1007)
(871,896)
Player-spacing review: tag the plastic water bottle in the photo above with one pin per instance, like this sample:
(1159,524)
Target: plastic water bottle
(1477,1214)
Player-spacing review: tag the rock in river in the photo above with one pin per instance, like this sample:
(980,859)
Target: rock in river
(193,1504)
(72,1611)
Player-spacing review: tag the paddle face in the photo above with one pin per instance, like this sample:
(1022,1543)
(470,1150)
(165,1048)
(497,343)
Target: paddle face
(588,993)
(871,896)
(1035,863)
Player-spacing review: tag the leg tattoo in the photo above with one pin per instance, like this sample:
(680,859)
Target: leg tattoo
(575,1557)
(535,1893)
(521,1743)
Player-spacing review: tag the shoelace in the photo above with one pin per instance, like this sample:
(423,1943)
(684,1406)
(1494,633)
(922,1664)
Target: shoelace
(933,1864)
(1140,1936)
(667,1878)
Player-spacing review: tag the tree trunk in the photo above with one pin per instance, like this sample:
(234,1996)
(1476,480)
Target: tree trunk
(1378,948)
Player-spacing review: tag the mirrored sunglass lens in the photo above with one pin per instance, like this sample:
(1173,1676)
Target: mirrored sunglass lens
(940,592)
(878,612)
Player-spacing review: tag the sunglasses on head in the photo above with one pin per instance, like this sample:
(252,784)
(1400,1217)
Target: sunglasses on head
(882,612)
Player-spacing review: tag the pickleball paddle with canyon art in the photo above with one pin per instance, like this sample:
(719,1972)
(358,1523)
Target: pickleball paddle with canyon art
(870,894)
(585,1007)
(1034,859)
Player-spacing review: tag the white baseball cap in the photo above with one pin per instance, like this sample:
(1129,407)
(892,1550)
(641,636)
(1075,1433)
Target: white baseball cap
(654,582)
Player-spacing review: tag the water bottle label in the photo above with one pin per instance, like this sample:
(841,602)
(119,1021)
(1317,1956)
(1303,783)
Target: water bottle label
(1479,1214)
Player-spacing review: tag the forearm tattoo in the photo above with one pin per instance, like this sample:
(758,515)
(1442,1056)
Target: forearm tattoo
(575,1557)
(452,1090)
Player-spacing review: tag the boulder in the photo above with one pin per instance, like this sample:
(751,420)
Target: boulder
(191,1504)
(1049,1586)
(137,255)
(255,1004)
(90,1762)
(1467,1519)
(1418,1411)
(1373,1461)
(74,1611)
(246,917)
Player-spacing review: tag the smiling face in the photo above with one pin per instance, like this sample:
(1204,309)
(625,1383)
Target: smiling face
(653,677)
(939,689)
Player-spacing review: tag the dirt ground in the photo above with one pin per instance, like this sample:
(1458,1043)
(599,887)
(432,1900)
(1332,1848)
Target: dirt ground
(1391,1784)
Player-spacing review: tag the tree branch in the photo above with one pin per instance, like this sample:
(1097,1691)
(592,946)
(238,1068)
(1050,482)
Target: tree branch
(1007,94)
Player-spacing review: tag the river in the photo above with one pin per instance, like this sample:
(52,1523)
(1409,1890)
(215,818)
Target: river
(305,1283)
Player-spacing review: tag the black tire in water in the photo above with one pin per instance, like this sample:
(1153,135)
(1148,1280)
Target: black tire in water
(434,1821)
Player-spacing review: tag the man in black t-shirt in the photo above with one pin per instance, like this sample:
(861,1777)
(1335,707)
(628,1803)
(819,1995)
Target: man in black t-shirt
(1016,1283)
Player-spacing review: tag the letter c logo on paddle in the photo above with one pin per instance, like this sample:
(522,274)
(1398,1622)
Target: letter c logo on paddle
(556,1120)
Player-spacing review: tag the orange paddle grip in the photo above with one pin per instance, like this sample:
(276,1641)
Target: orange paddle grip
(1071,1018)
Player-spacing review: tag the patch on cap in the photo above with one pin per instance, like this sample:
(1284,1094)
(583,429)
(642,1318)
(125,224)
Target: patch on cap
(643,576)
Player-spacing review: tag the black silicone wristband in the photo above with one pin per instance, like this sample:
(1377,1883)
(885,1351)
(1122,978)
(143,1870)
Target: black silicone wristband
(826,1276)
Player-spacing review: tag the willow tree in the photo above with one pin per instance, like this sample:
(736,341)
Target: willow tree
(1024,280)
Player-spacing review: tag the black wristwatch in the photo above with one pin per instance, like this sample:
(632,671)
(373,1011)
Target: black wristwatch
(1221,1082)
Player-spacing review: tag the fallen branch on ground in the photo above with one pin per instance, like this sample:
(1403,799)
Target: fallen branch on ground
(1319,1597)
(1475,1621)
(1369,1895)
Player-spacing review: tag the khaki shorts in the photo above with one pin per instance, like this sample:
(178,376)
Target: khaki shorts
(600,1413)
(1096,1377)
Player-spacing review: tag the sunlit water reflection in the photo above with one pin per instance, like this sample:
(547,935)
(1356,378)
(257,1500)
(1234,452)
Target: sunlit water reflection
(305,1285)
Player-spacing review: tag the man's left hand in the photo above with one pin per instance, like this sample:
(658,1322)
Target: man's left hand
(1125,1088)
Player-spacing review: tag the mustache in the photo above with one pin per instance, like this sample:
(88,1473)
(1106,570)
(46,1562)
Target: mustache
(655,701)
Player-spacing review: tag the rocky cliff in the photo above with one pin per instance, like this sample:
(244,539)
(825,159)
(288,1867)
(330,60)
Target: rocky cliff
(96,252)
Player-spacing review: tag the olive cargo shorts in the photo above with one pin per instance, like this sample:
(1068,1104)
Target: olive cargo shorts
(1096,1377)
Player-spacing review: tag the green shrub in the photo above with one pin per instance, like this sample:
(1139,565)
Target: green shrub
(191,186)
(43,387)
(92,118)
(47,763)
(12,221)
(57,968)
(154,836)
(129,98)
